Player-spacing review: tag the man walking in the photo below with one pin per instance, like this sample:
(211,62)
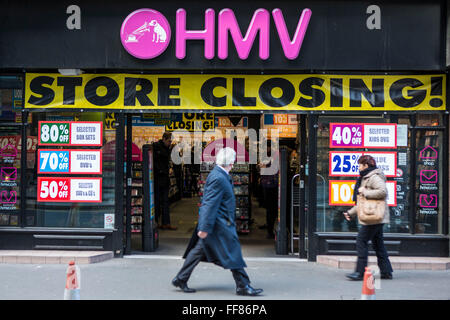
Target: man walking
(162,180)
(215,238)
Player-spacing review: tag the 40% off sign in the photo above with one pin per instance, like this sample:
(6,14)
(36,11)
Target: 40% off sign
(346,135)
(363,135)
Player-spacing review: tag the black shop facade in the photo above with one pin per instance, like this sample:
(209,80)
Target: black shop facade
(337,80)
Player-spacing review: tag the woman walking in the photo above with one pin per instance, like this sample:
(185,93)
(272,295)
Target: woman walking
(371,185)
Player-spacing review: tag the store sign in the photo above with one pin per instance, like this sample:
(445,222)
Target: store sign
(193,122)
(341,193)
(146,33)
(345,164)
(110,121)
(53,161)
(307,92)
(286,124)
(70,133)
(363,135)
(386,162)
(428,187)
(52,189)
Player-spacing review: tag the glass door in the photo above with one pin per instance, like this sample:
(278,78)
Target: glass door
(10,172)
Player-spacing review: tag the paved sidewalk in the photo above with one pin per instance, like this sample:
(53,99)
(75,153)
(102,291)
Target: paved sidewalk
(53,256)
(148,278)
(398,263)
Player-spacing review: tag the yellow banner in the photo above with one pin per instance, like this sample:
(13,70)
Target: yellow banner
(193,122)
(306,92)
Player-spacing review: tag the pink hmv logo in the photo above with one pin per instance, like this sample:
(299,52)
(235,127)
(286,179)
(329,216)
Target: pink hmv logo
(428,201)
(428,176)
(145,33)
(428,153)
(6,198)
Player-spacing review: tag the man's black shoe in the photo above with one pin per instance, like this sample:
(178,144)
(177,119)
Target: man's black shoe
(182,285)
(248,291)
(356,276)
(386,276)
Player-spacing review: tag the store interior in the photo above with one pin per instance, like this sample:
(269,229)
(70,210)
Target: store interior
(188,175)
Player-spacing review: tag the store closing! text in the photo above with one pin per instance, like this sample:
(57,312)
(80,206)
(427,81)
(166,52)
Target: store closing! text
(235,92)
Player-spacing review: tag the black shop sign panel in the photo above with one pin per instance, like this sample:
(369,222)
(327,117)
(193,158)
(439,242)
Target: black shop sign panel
(234,35)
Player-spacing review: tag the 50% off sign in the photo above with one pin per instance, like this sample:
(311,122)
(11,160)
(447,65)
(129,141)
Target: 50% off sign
(53,189)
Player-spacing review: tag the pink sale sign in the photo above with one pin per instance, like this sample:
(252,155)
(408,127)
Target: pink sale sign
(346,135)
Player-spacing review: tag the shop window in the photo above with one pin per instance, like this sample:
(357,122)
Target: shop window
(429,120)
(10,146)
(58,197)
(429,191)
(10,176)
(338,150)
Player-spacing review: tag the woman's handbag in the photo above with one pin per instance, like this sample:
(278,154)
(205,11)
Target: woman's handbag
(370,211)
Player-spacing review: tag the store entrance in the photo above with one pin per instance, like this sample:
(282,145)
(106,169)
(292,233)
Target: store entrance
(187,161)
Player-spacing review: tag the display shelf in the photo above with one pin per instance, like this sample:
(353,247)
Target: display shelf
(241,188)
(136,197)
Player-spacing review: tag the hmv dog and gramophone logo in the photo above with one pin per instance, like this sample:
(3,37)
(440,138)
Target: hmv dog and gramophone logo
(145,33)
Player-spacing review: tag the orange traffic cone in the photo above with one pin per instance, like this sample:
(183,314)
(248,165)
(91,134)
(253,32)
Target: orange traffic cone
(368,289)
(72,290)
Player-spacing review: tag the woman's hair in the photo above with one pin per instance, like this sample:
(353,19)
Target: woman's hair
(225,157)
(369,160)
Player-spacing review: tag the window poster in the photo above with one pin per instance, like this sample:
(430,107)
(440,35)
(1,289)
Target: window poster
(427,188)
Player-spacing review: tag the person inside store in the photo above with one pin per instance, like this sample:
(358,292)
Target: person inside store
(370,192)
(162,181)
(215,238)
(194,171)
(269,184)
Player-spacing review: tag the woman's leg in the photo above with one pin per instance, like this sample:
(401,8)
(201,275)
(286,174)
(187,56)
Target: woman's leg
(362,248)
(382,256)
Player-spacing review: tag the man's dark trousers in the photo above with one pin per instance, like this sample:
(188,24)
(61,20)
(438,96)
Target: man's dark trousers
(271,204)
(196,255)
(162,204)
(375,234)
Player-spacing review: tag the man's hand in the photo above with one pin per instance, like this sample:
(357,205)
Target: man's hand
(347,216)
(202,234)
